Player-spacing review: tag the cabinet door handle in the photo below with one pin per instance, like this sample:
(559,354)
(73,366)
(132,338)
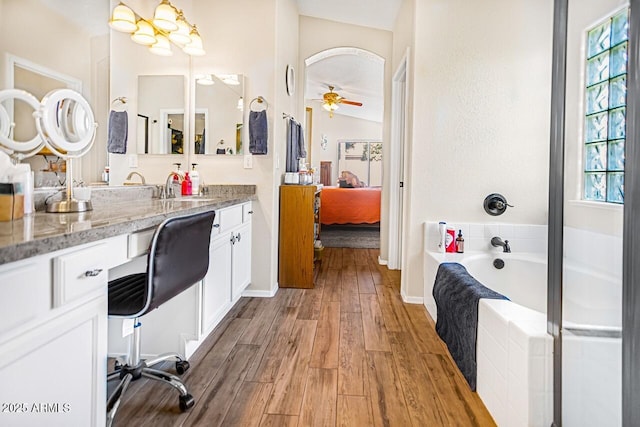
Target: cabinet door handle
(250,212)
(216,225)
(92,273)
(233,239)
(238,237)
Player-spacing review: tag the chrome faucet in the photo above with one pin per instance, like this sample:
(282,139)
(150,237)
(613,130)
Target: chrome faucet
(136,173)
(496,241)
(169,192)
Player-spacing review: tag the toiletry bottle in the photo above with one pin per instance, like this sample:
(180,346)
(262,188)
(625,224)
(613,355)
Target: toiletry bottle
(450,240)
(186,185)
(177,171)
(195,179)
(460,243)
(442,231)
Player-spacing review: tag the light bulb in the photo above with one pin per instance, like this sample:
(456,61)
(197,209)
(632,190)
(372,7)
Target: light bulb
(165,16)
(195,46)
(181,35)
(145,33)
(161,46)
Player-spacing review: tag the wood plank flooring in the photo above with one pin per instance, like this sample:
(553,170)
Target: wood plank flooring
(347,353)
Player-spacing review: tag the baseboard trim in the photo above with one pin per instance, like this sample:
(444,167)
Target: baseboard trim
(411,300)
(382,261)
(260,294)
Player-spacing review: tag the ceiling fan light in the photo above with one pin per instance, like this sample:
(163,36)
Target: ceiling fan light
(164,16)
(181,35)
(330,106)
(194,48)
(123,19)
(145,33)
(161,46)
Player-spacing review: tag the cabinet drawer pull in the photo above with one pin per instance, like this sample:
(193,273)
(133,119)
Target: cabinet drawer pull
(233,239)
(238,237)
(93,273)
(216,225)
(250,212)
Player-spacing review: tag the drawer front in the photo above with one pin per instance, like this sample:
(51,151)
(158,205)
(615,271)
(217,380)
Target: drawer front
(230,218)
(79,273)
(25,291)
(247,212)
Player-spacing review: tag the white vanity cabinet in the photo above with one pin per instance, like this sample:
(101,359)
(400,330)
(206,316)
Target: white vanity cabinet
(53,336)
(229,264)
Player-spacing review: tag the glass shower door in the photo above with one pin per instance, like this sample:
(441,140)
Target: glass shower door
(591,321)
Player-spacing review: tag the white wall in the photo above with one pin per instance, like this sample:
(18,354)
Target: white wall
(480,120)
(339,127)
(317,35)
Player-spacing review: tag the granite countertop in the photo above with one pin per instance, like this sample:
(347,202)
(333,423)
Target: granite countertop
(42,232)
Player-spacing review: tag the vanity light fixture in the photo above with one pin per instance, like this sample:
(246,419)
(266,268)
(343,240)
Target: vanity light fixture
(165,16)
(205,80)
(230,79)
(123,19)
(168,25)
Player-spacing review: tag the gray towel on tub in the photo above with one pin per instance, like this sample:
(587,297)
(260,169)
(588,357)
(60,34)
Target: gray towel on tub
(457,295)
(118,132)
(258,132)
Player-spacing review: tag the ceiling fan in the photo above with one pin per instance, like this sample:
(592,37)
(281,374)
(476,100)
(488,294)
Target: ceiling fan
(331,99)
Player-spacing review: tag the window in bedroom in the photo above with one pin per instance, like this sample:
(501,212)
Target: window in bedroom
(605,100)
(364,159)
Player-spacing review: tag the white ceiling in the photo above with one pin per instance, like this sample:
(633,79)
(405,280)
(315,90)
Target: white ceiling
(369,13)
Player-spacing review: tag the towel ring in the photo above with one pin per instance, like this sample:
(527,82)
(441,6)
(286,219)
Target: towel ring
(120,101)
(259,100)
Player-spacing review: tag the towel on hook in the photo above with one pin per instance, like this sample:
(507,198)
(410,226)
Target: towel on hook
(258,132)
(295,146)
(118,132)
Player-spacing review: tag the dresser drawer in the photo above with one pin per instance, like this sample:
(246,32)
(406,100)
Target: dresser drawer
(79,273)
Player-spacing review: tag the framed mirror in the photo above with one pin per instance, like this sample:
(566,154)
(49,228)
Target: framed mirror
(161,119)
(219,113)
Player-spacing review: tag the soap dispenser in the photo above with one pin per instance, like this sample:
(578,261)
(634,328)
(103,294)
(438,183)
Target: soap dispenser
(186,185)
(195,179)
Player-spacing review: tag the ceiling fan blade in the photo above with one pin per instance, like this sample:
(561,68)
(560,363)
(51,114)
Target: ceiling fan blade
(346,101)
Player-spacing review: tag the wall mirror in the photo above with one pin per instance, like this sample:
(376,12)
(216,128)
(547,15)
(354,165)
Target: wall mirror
(219,112)
(161,121)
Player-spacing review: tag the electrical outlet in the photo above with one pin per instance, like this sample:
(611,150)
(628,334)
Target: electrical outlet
(133,160)
(248,161)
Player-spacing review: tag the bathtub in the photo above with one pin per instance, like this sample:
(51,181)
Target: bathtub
(514,351)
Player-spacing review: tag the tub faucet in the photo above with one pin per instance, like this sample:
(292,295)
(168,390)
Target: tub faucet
(496,241)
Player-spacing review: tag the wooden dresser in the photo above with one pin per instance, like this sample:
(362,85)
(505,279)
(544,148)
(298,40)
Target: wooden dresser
(299,228)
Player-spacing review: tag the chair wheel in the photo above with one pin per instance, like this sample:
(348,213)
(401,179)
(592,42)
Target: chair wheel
(182,366)
(187,401)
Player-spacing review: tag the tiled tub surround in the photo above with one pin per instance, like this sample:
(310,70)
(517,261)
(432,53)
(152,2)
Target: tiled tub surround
(116,210)
(514,352)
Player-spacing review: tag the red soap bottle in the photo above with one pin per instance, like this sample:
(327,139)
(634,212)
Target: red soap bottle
(187,185)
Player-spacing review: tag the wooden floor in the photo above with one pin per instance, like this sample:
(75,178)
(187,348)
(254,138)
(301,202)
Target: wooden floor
(347,353)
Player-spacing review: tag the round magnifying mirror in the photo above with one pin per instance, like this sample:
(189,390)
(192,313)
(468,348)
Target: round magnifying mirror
(18,132)
(67,121)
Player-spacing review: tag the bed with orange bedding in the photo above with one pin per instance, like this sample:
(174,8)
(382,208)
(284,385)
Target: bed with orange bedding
(350,205)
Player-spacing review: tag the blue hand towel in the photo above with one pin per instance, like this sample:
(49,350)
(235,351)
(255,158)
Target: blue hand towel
(118,132)
(258,132)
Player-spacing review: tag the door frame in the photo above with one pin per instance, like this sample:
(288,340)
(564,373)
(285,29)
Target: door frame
(399,104)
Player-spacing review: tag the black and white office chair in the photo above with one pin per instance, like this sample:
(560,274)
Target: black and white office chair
(178,258)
